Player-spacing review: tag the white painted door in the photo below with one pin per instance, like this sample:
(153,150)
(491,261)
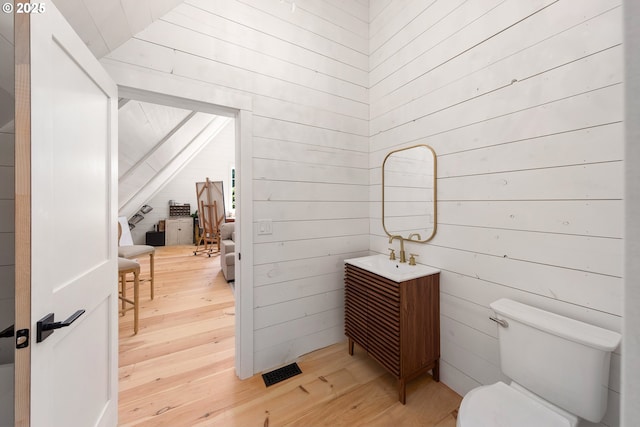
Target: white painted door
(73,229)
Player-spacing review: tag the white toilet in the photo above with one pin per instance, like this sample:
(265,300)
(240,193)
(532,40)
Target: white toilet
(559,369)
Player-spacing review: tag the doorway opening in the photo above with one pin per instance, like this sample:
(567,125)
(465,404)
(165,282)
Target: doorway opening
(239,196)
(163,151)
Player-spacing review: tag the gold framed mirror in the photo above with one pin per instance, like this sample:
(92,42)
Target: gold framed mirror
(409,193)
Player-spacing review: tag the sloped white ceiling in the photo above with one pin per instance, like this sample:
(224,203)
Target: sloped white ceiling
(154,143)
(106,24)
(102,24)
(142,126)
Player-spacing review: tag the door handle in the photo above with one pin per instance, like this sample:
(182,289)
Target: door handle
(7,333)
(46,326)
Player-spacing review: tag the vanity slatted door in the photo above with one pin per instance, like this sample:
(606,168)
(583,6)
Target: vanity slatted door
(398,324)
(356,316)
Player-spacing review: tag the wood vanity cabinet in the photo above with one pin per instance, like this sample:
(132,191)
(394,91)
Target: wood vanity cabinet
(398,324)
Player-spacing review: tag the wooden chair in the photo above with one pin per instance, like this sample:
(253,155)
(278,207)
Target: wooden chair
(135,251)
(127,266)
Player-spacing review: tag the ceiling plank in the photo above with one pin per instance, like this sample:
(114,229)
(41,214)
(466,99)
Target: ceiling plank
(156,147)
(104,25)
(177,163)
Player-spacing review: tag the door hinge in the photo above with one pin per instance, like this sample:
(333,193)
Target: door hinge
(239,256)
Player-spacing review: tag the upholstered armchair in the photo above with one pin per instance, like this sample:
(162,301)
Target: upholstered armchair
(227,251)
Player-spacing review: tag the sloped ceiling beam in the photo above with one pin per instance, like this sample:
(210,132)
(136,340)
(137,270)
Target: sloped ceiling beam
(163,142)
(160,157)
(122,102)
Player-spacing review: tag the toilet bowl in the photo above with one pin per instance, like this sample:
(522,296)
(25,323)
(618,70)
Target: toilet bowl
(502,405)
(559,369)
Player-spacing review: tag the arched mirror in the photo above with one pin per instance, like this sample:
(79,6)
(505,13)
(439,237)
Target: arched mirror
(409,193)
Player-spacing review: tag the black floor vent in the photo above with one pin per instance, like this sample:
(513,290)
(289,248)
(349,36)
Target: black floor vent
(281,374)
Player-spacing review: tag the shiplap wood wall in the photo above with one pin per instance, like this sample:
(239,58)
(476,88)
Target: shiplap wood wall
(214,162)
(522,102)
(307,74)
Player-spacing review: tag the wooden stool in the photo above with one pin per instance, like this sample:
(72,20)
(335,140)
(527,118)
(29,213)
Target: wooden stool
(135,251)
(126,266)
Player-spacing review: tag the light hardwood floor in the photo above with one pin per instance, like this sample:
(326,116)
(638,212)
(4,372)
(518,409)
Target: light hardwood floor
(179,369)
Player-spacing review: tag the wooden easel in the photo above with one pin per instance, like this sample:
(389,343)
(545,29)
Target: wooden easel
(211,215)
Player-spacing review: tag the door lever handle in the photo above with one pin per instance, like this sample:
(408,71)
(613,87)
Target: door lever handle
(46,325)
(8,333)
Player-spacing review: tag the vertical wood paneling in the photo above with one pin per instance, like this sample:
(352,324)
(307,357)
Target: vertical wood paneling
(307,75)
(523,105)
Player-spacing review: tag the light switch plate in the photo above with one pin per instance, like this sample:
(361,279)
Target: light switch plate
(265,227)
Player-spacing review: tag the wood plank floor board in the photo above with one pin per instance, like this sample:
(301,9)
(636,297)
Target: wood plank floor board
(179,369)
(144,376)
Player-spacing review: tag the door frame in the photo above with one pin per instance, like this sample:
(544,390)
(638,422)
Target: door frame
(160,88)
(22,164)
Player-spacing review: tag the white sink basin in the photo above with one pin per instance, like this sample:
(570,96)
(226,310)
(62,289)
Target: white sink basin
(393,270)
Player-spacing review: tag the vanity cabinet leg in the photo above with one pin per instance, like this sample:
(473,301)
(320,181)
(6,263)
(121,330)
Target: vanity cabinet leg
(350,347)
(402,391)
(436,370)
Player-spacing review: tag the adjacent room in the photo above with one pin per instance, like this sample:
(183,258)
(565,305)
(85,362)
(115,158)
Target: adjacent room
(167,156)
(323,212)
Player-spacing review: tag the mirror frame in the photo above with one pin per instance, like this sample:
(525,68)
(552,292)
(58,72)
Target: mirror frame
(435,191)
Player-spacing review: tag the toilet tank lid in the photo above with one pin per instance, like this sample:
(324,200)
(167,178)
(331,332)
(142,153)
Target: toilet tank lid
(571,329)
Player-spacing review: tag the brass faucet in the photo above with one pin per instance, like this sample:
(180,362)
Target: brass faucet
(403,257)
(412,259)
(414,234)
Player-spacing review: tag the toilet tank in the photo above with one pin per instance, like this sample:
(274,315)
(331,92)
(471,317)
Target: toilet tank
(562,360)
